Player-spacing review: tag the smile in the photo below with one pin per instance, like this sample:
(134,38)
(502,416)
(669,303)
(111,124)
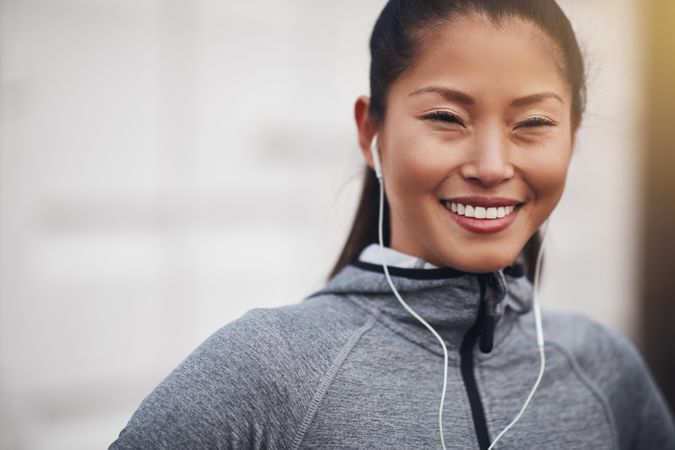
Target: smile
(482,219)
(480,212)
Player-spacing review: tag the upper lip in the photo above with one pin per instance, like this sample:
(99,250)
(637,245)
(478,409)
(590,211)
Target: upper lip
(485,202)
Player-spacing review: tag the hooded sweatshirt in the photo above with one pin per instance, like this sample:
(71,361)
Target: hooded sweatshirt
(349,368)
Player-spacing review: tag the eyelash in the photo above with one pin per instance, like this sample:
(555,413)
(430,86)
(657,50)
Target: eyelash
(538,122)
(444,116)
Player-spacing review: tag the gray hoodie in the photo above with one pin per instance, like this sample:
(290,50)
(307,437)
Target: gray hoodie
(349,368)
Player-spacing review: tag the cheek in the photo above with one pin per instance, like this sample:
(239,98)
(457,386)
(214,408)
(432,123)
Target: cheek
(547,176)
(413,164)
(416,172)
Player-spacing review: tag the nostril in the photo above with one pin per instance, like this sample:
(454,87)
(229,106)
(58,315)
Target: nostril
(494,175)
(487,174)
(488,181)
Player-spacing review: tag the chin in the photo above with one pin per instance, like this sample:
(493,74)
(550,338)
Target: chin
(484,267)
(483,263)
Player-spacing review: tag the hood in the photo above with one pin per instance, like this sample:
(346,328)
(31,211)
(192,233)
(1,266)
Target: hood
(450,300)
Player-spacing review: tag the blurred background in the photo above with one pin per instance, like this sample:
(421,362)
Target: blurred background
(167,165)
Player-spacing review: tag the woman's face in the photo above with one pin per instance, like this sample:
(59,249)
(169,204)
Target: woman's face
(478,126)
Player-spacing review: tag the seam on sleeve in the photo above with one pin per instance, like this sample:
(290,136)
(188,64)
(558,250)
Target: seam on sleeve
(327,381)
(589,385)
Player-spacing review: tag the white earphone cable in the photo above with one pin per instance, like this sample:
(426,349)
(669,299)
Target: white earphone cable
(540,338)
(537,315)
(414,314)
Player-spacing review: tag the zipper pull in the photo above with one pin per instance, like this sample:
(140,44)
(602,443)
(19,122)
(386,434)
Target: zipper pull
(486,336)
(487,332)
(489,311)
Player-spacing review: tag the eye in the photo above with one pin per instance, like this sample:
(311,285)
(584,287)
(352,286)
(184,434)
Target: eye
(443,116)
(537,122)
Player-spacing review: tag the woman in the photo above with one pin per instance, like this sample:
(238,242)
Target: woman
(430,342)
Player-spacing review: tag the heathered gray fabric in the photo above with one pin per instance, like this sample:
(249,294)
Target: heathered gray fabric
(349,368)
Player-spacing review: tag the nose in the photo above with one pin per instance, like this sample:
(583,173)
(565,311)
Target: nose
(489,160)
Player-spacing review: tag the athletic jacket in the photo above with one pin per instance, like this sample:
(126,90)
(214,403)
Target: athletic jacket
(349,368)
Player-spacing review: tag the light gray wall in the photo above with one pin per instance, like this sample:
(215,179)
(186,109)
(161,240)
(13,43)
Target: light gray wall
(167,165)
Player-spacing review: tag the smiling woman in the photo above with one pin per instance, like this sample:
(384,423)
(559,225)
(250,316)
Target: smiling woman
(469,130)
(453,132)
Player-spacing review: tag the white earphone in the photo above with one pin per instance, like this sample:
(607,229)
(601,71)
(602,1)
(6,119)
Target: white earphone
(376,158)
(537,316)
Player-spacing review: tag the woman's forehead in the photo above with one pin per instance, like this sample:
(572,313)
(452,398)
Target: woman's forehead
(513,54)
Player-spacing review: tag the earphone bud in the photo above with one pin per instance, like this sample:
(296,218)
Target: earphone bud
(376,158)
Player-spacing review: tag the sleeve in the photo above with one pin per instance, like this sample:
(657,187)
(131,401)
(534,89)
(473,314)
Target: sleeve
(226,394)
(645,411)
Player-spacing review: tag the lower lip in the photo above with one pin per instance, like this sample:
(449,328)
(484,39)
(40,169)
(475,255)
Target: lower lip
(484,226)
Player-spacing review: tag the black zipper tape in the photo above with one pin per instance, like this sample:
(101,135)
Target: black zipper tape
(468,376)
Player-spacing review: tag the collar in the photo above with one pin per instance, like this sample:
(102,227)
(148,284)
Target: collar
(372,254)
(453,302)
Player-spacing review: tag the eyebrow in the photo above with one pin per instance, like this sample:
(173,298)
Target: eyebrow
(448,94)
(535,98)
(464,99)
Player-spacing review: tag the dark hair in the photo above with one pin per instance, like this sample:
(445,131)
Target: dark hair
(396,40)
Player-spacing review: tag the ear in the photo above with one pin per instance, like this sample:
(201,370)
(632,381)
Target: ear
(366,128)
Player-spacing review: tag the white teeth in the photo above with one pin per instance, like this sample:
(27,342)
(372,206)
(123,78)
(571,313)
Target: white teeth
(480,212)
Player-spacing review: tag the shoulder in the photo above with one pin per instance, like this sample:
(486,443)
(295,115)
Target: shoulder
(271,346)
(611,365)
(259,370)
(269,342)
(291,328)
(601,352)
(593,344)
(601,355)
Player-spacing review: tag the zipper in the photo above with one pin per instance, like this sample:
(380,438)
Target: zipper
(467,366)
